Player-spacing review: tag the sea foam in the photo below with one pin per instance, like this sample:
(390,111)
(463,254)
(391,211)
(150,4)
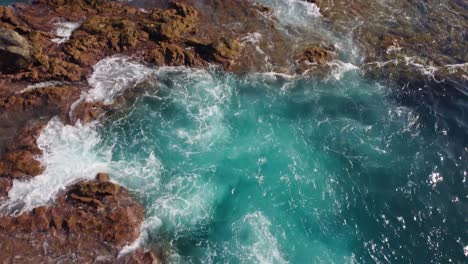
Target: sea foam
(64,30)
(68,156)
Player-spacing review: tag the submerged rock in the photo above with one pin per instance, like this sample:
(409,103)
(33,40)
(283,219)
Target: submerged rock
(14,51)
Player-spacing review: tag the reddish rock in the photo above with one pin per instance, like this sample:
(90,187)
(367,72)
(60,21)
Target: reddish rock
(57,99)
(75,230)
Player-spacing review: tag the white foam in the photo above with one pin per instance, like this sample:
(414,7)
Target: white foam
(293,12)
(184,202)
(435,178)
(253,38)
(151,224)
(68,156)
(64,30)
(339,68)
(427,70)
(255,241)
(203,98)
(112,76)
(41,85)
(452,68)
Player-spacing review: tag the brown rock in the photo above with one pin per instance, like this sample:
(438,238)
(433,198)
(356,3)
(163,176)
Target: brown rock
(7,16)
(88,111)
(316,54)
(173,23)
(40,221)
(50,97)
(19,163)
(263,8)
(102,177)
(314,58)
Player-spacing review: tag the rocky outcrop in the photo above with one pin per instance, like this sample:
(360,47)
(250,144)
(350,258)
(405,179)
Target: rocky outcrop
(74,229)
(19,164)
(14,51)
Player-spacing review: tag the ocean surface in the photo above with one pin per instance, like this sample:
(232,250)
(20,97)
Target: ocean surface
(272,168)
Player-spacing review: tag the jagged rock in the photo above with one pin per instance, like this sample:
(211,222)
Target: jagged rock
(118,34)
(263,8)
(222,50)
(315,58)
(14,51)
(171,24)
(402,49)
(95,189)
(26,137)
(88,111)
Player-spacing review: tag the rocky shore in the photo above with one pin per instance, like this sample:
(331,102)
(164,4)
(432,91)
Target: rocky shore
(44,71)
(91,221)
(48,50)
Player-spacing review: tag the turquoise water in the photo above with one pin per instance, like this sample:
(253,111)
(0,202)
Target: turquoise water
(263,168)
